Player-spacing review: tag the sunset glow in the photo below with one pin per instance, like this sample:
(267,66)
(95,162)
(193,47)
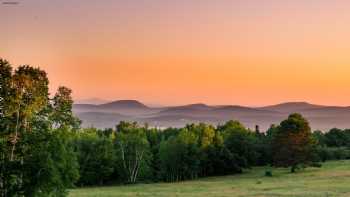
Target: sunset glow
(185,51)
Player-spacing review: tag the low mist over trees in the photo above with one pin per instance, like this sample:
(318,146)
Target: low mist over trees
(43,150)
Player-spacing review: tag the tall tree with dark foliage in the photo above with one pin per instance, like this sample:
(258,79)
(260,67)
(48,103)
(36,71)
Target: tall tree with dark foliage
(293,143)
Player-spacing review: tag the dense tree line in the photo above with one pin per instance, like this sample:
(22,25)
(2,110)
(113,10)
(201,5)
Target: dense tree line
(43,150)
(141,154)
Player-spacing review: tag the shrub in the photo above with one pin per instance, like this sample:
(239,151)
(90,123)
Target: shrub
(268,173)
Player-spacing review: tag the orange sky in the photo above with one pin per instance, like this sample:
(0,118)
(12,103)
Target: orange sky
(247,52)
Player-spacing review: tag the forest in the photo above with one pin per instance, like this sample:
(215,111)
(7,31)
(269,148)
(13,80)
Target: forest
(44,151)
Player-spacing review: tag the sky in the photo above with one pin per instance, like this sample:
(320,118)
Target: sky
(166,52)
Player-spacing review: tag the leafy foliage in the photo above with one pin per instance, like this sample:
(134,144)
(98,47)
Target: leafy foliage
(36,159)
(43,150)
(133,152)
(96,157)
(293,143)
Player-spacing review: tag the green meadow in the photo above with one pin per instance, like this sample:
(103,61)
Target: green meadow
(332,179)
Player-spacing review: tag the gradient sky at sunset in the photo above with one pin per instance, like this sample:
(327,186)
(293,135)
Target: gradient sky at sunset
(247,52)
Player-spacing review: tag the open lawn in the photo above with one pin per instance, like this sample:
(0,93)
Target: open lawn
(333,179)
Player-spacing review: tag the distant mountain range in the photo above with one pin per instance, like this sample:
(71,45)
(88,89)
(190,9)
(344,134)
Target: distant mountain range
(108,114)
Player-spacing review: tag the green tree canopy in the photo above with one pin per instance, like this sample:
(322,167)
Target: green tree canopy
(293,143)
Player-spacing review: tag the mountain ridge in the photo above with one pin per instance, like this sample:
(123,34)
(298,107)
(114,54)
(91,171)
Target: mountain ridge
(320,116)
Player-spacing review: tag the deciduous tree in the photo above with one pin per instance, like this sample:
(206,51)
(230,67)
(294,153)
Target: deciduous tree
(293,143)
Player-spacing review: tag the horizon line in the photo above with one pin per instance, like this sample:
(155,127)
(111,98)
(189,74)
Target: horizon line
(153,104)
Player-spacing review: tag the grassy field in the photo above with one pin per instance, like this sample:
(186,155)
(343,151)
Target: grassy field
(333,179)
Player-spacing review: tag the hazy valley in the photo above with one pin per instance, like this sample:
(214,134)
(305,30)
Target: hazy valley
(109,114)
